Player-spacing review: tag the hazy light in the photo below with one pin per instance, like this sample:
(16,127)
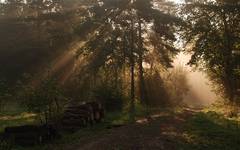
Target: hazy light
(177,1)
(200,87)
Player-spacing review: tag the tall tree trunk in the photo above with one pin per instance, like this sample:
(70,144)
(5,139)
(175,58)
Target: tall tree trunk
(142,88)
(140,64)
(132,70)
(228,68)
(123,69)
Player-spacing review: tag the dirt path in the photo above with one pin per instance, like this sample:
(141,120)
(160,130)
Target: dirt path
(163,132)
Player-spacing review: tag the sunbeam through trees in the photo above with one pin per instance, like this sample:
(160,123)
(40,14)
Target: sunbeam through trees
(119,74)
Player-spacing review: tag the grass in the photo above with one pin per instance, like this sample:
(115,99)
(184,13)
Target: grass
(85,134)
(211,131)
(208,129)
(16,120)
(14,115)
(67,140)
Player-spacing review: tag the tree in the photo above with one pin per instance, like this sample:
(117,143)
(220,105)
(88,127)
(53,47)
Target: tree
(40,39)
(121,32)
(47,100)
(213,32)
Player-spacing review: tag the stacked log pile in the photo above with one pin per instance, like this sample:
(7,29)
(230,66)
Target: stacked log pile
(74,118)
(81,115)
(5,144)
(27,135)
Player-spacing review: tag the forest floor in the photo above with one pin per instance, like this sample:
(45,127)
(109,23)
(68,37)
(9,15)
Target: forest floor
(162,132)
(186,129)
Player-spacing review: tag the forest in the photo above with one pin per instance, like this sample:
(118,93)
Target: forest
(103,75)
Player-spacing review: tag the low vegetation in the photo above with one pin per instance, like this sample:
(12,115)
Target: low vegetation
(17,120)
(201,129)
(64,63)
(211,130)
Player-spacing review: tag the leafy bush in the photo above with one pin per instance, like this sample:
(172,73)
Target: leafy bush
(46,99)
(176,84)
(111,97)
(4,93)
(156,92)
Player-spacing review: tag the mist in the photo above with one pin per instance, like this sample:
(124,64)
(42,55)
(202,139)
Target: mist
(200,88)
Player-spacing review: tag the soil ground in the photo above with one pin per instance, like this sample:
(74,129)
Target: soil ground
(184,129)
(162,132)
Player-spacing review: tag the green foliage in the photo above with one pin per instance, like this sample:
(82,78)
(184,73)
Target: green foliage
(110,96)
(24,118)
(176,83)
(211,131)
(5,94)
(46,100)
(48,32)
(114,37)
(124,34)
(156,90)
(113,33)
(212,34)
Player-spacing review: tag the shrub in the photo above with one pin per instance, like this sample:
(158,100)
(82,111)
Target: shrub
(4,94)
(46,99)
(111,97)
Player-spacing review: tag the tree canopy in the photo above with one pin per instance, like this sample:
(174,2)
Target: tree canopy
(213,34)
